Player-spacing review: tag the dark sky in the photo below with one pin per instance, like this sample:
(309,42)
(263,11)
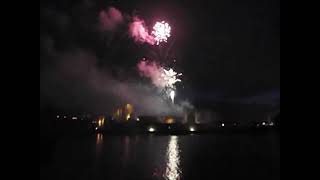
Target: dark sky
(227,50)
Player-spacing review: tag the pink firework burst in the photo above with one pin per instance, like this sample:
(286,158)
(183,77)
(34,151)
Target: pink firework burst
(161,32)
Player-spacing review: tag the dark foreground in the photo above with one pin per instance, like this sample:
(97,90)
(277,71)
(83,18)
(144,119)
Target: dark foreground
(150,156)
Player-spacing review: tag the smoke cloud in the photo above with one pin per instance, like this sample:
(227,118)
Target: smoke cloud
(74,78)
(110,19)
(152,71)
(139,32)
(76,82)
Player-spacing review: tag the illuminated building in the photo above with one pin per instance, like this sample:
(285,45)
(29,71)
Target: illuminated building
(128,111)
(123,113)
(151,129)
(117,114)
(101,122)
(169,120)
(127,117)
(204,116)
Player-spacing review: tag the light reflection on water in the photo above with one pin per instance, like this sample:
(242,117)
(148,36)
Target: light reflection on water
(126,151)
(166,157)
(173,170)
(99,144)
(99,139)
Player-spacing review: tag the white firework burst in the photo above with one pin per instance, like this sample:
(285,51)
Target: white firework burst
(161,32)
(170,77)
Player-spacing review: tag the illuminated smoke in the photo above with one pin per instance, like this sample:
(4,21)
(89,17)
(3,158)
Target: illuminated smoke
(110,19)
(152,71)
(163,79)
(159,76)
(139,32)
(161,31)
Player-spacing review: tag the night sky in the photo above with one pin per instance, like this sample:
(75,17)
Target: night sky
(228,52)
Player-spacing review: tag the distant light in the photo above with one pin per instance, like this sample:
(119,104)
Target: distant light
(58,116)
(169,120)
(64,116)
(271,123)
(151,129)
(138,119)
(222,124)
(192,129)
(102,121)
(263,123)
(96,128)
(74,118)
(128,117)
(169,127)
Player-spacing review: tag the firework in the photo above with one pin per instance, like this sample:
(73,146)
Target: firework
(170,77)
(172,94)
(159,76)
(163,79)
(161,32)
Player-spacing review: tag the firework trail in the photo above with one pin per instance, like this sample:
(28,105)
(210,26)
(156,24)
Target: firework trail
(170,77)
(172,95)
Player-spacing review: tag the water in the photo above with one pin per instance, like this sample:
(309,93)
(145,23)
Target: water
(215,156)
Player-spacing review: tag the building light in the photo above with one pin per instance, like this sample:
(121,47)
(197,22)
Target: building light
(128,117)
(151,129)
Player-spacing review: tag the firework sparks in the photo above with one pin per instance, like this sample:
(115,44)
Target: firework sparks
(160,77)
(170,77)
(172,94)
(161,31)
(163,79)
